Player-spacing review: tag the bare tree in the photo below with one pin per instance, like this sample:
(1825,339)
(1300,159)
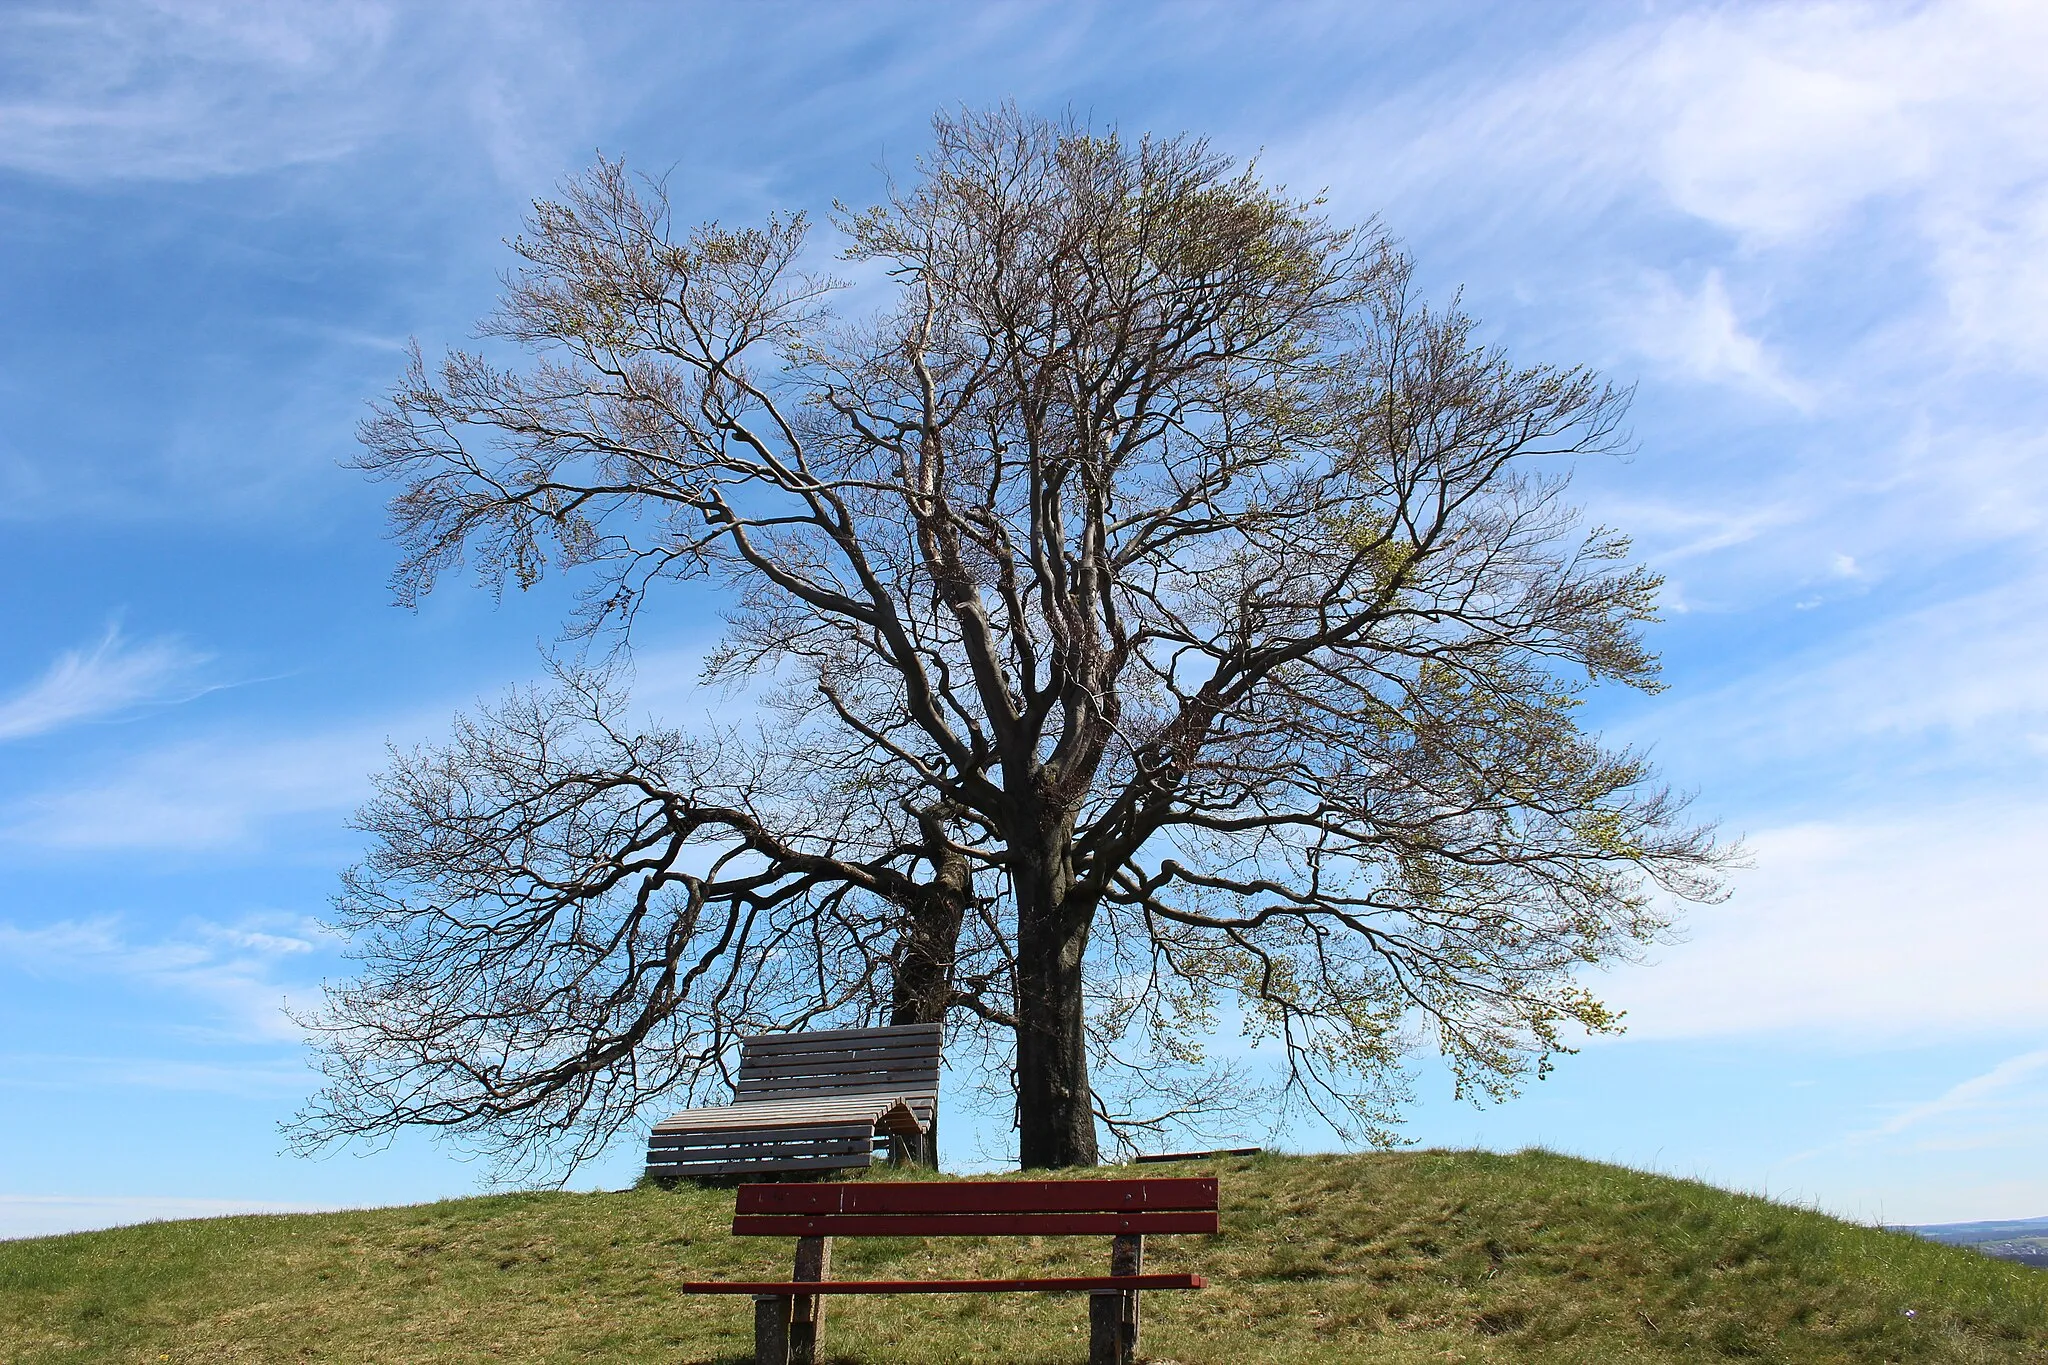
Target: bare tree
(1154,600)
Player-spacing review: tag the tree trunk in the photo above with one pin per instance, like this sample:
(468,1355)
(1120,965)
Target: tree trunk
(923,989)
(1055,1107)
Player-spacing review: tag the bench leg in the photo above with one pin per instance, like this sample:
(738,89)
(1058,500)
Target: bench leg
(1113,1313)
(771,1329)
(1112,1327)
(1127,1257)
(1106,1328)
(905,1150)
(807,1311)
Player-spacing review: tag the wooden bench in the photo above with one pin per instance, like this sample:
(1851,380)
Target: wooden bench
(817,1101)
(788,1313)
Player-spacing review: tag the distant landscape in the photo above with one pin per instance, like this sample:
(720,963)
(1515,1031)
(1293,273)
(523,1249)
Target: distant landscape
(2024,1240)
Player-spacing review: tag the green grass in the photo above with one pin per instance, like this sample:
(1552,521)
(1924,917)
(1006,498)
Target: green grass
(1427,1256)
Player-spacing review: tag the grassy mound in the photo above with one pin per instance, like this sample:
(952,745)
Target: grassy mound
(1429,1256)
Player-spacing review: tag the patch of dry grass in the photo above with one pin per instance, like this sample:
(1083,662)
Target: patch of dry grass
(1429,1256)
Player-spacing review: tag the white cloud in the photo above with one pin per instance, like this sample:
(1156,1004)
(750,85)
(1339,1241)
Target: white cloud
(1699,335)
(118,90)
(1983,1133)
(1840,208)
(1928,506)
(1781,123)
(1994,256)
(1872,931)
(1776,123)
(237,969)
(159,91)
(1972,1099)
(198,795)
(1958,683)
(115,675)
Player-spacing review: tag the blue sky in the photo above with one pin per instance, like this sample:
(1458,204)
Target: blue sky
(1814,236)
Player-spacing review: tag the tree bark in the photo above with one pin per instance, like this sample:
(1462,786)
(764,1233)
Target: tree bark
(1055,1106)
(922,992)
(1055,1114)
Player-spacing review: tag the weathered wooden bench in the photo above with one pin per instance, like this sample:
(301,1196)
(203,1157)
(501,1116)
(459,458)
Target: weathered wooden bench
(788,1313)
(817,1101)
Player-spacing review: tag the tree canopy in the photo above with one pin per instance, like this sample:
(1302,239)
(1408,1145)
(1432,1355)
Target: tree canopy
(1157,615)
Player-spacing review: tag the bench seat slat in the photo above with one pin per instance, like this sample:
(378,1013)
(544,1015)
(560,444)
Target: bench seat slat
(824,1109)
(860,1144)
(923,1084)
(717,1137)
(1072,1283)
(843,1162)
(883,1109)
(867,1030)
(846,1050)
(970,1224)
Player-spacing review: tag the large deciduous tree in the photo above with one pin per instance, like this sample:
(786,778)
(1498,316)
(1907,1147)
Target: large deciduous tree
(1154,609)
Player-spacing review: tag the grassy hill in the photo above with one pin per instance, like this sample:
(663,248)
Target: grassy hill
(1428,1256)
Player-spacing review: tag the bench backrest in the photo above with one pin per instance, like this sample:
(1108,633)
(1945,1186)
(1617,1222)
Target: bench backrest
(902,1060)
(972,1208)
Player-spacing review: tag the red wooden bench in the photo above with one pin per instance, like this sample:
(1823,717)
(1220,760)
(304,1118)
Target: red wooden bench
(787,1313)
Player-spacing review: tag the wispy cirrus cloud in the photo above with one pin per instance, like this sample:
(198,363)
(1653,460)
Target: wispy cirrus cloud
(1997,1111)
(1698,334)
(1834,214)
(1951,684)
(116,91)
(138,90)
(240,970)
(2000,1087)
(1778,124)
(1867,930)
(202,794)
(114,676)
